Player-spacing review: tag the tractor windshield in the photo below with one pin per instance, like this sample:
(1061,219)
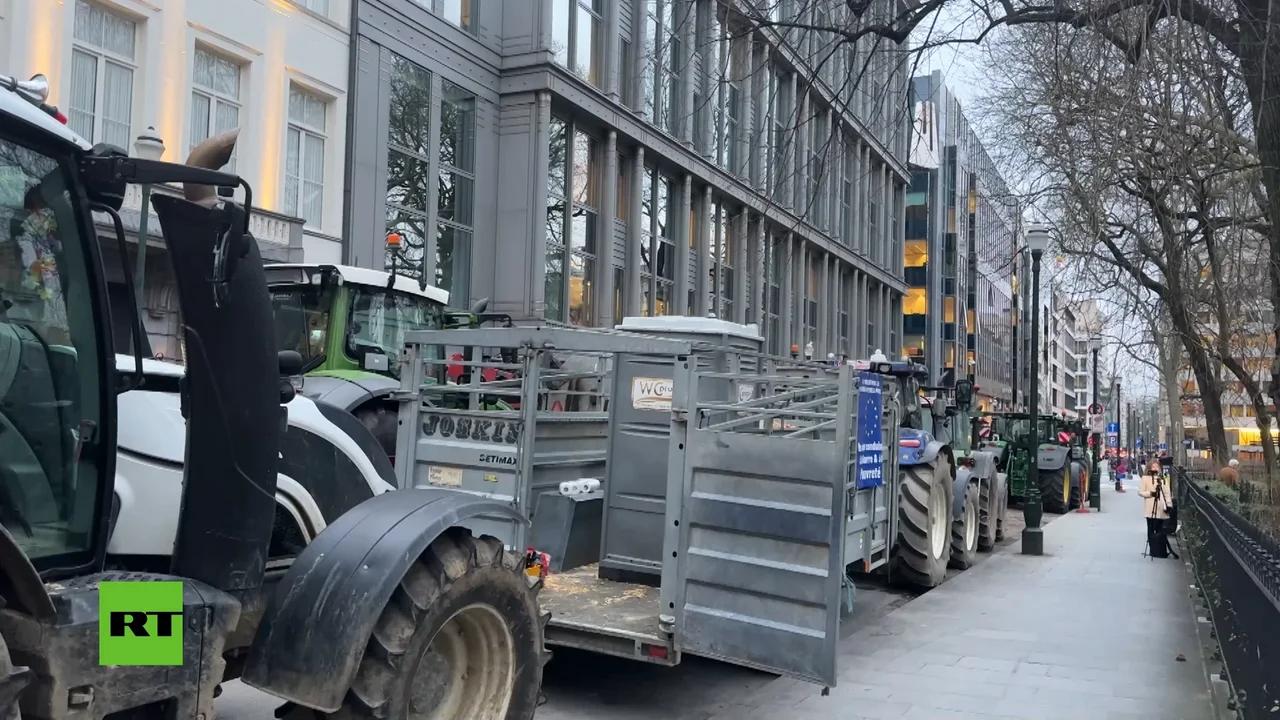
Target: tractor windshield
(379,321)
(51,382)
(302,319)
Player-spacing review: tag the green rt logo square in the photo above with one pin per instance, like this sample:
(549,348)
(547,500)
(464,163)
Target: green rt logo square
(140,623)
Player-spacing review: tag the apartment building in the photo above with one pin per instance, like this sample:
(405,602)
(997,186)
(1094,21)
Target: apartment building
(581,160)
(276,69)
(961,225)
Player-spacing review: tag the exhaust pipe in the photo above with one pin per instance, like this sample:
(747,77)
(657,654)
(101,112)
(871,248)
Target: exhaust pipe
(230,394)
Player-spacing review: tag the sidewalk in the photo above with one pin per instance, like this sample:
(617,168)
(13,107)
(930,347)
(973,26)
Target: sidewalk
(1090,630)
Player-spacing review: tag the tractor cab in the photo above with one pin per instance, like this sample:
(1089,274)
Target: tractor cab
(348,321)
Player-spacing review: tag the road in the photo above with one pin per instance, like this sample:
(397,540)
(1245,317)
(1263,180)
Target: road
(585,686)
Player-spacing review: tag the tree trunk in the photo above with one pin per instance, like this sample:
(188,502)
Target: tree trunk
(1170,352)
(1210,398)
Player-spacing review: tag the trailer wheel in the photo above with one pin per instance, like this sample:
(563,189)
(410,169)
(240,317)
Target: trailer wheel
(1055,489)
(988,514)
(965,531)
(460,639)
(924,518)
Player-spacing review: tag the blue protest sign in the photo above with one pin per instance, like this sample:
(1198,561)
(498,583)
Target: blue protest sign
(870,444)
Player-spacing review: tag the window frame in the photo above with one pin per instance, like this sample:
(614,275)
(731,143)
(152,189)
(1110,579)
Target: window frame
(595,75)
(102,55)
(304,130)
(214,97)
(588,254)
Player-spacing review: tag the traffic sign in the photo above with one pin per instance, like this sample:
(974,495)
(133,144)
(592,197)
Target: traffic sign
(1097,421)
(1113,427)
(1096,409)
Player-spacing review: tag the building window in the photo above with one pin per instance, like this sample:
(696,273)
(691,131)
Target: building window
(779,137)
(626,73)
(408,163)
(723,247)
(576,40)
(304,156)
(663,59)
(215,98)
(573,191)
(455,202)
(102,67)
(818,144)
(319,7)
(463,13)
(657,244)
(431,188)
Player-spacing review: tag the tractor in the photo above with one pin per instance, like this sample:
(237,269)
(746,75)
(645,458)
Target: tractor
(1005,436)
(349,323)
(1060,460)
(938,516)
(420,616)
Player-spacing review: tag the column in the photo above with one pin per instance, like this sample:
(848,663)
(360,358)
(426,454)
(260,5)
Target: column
(824,309)
(740,267)
(684,15)
(803,203)
(788,273)
(634,293)
(702,268)
(760,274)
(788,176)
(681,289)
(802,297)
(612,51)
(608,209)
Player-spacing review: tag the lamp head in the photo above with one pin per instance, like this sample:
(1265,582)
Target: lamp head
(1037,239)
(148,145)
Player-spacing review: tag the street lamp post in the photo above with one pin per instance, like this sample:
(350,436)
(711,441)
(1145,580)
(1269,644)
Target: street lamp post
(1095,491)
(1033,508)
(147,146)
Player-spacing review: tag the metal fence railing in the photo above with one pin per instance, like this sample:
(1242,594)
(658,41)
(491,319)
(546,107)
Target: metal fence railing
(1238,566)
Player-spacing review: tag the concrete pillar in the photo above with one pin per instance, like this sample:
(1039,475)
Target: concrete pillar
(786,316)
(634,293)
(791,124)
(760,274)
(682,230)
(608,209)
(803,203)
(612,51)
(740,267)
(824,308)
(702,264)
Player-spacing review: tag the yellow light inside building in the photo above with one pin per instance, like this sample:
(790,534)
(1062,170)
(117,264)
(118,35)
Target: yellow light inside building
(915,302)
(948,309)
(916,253)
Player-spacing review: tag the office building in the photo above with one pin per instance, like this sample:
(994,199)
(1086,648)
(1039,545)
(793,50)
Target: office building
(961,224)
(581,160)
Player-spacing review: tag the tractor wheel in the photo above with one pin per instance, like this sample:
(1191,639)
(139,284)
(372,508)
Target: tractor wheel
(988,515)
(965,530)
(382,421)
(924,516)
(460,639)
(1076,499)
(1005,492)
(1055,489)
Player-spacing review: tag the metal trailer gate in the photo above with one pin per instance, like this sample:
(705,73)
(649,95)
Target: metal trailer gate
(762,510)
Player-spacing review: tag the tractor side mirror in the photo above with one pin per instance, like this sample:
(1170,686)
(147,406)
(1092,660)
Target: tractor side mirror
(290,363)
(964,394)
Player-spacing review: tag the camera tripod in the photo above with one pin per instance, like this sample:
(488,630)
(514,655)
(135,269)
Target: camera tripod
(1163,530)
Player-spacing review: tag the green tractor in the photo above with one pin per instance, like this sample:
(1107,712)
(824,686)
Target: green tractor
(1061,466)
(349,323)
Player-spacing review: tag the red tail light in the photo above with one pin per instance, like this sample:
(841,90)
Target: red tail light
(909,442)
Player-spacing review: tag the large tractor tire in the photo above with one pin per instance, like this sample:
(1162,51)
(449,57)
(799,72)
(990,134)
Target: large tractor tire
(923,548)
(989,514)
(1055,489)
(1003,516)
(965,530)
(460,639)
(1077,497)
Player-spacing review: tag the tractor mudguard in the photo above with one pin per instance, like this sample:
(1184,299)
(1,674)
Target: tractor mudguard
(345,392)
(319,621)
(921,452)
(1052,457)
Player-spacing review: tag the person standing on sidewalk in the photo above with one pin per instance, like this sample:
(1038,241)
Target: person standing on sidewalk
(1157,498)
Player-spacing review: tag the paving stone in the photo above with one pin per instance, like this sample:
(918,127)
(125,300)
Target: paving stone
(1066,636)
